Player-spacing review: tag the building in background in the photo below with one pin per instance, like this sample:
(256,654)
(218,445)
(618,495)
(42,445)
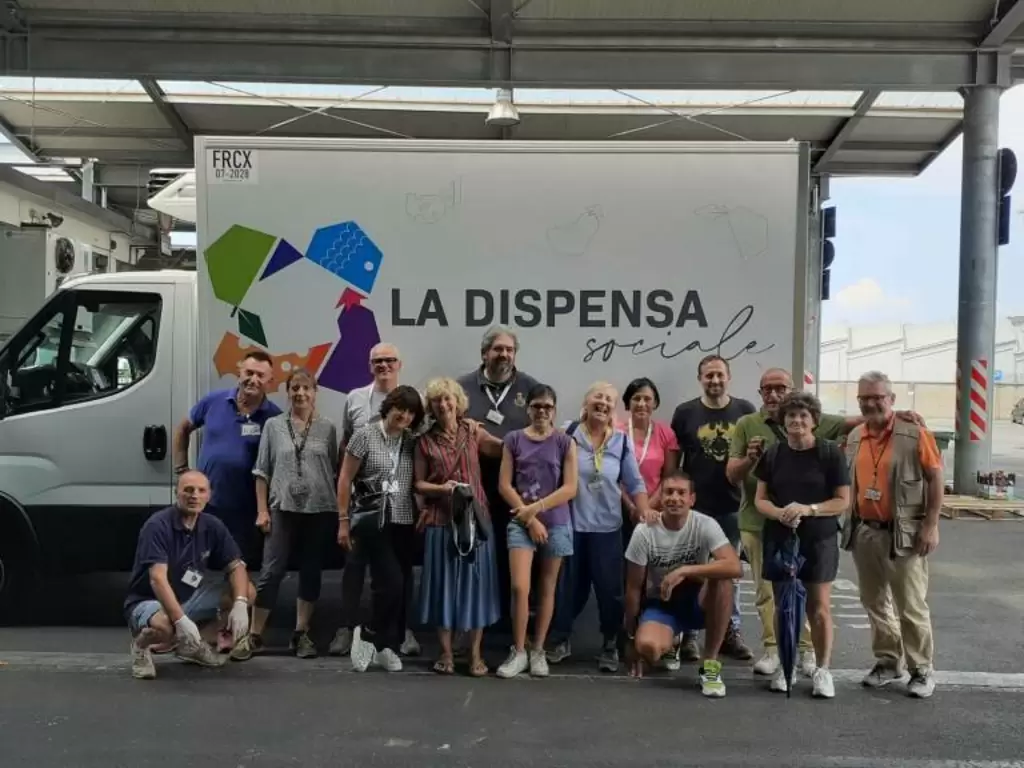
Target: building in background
(920,360)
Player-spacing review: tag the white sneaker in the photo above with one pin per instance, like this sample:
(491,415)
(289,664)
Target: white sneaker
(768,663)
(201,654)
(778,684)
(341,645)
(388,659)
(539,663)
(808,663)
(362,651)
(823,688)
(410,646)
(516,663)
(142,663)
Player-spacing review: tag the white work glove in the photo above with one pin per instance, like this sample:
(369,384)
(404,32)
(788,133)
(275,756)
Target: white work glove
(238,619)
(187,633)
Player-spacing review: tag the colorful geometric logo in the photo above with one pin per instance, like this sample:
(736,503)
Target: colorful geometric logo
(344,250)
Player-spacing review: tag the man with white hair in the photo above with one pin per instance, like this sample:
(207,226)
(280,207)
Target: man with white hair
(497,399)
(362,406)
(892,528)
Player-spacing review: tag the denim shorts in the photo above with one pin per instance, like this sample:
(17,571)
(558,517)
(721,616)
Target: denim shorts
(682,614)
(201,607)
(559,540)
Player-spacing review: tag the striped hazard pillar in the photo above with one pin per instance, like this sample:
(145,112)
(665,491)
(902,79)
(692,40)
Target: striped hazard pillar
(979,400)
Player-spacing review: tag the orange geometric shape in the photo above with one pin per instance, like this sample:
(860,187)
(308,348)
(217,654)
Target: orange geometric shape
(230,354)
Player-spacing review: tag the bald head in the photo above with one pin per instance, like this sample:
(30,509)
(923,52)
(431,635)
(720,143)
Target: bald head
(193,493)
(385,363)
(776,383)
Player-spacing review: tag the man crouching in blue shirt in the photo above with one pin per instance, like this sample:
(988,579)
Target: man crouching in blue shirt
(174,587)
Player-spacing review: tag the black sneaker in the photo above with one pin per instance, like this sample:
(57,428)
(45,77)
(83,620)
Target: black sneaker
(302,645)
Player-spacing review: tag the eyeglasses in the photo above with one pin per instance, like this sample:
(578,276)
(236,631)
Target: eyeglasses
(384,360)
(778,389)
(545,407)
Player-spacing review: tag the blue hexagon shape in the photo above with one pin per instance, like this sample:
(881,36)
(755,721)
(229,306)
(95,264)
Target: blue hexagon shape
(347,251)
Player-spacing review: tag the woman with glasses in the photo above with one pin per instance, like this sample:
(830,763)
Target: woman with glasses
(606,467)
(376,517)
(295,496)
(458,590)
(537,480)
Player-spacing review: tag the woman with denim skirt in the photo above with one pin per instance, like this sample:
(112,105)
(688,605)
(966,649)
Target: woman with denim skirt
(537,480)
(607,468)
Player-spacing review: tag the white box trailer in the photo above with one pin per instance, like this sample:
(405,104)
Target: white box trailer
(610,261)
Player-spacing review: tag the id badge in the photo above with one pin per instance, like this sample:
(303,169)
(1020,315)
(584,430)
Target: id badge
(873,494)
(299,489)
(250,429)
(495,416)
(595,482)
(192,578)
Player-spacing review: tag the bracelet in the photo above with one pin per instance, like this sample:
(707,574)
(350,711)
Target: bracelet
(343,519)
(241,599)
(542,505)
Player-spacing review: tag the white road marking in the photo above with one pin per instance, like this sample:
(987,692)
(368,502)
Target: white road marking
(902,762)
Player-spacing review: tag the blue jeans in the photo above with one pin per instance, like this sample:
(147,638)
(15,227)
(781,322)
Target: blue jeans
(597,561)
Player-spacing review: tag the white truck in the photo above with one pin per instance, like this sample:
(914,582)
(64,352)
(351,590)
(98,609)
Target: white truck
(611,261)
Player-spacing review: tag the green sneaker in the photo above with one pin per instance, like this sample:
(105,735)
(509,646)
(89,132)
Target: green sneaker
(711,683)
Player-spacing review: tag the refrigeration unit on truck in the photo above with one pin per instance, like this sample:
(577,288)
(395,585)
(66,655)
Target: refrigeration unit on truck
(610,260)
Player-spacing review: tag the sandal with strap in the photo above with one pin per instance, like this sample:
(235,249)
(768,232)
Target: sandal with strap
(444,666)
(478,668)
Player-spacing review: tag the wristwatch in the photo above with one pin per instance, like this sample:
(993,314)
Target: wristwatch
(814,510)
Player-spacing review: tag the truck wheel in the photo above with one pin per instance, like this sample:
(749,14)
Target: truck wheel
(17,570)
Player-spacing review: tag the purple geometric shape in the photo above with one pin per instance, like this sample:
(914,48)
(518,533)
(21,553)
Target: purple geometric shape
(348,367)
(285,255)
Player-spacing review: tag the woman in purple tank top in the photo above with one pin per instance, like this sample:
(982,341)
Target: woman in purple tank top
(537,480)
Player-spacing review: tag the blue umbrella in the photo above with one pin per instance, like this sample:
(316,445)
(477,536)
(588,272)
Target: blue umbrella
(790,603)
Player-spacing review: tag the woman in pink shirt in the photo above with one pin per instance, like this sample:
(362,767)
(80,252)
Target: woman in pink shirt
(657,450)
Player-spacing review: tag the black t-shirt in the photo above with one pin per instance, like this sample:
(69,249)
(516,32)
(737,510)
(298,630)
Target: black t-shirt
(808,476)
(704,435)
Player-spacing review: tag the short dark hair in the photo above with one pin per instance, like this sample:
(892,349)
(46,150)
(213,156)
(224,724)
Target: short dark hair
(636,385)
(538,391)
(299,373)
(678,474)
(259,356)
(800,401)
(404,398)
(711,359)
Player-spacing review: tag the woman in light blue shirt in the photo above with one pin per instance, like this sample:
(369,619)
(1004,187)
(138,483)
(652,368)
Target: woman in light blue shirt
(607,467)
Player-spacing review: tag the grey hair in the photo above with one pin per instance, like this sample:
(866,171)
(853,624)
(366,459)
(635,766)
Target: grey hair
(875,377)
(493,333)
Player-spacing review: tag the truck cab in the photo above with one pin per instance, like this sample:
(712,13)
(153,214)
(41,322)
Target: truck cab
(90,388)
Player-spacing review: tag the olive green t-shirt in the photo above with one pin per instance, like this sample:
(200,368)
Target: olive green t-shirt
(759,425)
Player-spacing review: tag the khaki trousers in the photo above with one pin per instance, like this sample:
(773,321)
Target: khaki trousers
(894,594)
(764,599)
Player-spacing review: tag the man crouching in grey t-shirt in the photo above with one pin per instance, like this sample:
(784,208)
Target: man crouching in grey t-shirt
(687,565)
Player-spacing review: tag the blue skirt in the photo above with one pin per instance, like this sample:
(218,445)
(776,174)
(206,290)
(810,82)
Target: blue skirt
(457,594)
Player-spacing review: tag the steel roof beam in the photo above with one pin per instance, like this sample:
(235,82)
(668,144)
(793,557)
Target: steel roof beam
(860,110)
(1011,20)
(26,147)
(167,111)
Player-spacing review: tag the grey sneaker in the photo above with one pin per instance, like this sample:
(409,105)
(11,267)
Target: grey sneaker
(883,673)
(201,654)
(670,660)
(302,645)
(922,684)
(142,663)
(688,650)
(560,652)
(342,642)
(243,649)
(608,659)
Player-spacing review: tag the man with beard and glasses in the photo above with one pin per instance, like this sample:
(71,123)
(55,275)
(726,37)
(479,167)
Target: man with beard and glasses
(497,400)
(232,422)
(893,527)
(753,435)
(362,406)
(704,426)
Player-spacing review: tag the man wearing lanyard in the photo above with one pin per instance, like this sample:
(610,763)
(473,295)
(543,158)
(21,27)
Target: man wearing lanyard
(704,426)
(497,399)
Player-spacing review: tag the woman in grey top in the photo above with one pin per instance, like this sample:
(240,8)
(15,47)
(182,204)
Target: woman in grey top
(296,496)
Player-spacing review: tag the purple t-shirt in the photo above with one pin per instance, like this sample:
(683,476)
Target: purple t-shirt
(537,466)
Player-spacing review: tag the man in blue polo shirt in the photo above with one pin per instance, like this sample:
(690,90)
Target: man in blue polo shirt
(174,588)
(232,421)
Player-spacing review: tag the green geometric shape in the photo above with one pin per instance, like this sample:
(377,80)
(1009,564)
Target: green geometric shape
(234,260)
(250,326)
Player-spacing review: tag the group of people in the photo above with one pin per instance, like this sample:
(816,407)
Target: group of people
(520,515)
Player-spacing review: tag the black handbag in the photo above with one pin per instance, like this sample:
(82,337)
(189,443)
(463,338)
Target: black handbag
(369,509)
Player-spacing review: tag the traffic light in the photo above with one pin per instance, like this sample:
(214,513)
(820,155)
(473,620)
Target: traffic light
(828,249)
(1007,164)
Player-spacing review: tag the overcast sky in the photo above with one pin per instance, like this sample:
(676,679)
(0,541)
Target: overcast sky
(898,240)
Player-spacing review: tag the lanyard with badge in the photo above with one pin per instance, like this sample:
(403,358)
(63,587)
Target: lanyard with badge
(192,577)
(495,416)
(390,485)
(298,489)
(597,480)
(647,440)
(872,492)
(249,427)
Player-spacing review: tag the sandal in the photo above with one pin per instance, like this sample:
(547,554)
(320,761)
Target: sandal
(478,668)
(444,666)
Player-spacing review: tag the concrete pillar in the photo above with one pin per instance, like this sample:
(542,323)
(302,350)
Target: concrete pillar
(976,320)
